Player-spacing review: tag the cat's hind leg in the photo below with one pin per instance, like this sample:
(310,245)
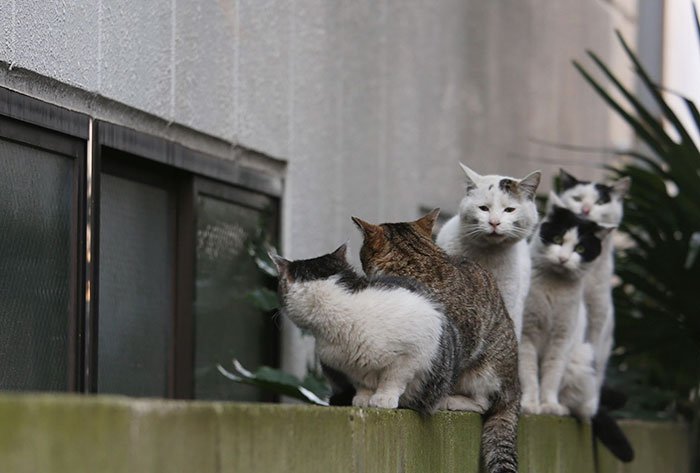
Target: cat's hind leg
(458,402)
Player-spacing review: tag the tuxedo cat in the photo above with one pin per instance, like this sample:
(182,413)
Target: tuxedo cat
(556,363)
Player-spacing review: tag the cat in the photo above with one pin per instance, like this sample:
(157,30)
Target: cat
(391,340)
(488,372)
(603,205)
(556,364)
(496,216)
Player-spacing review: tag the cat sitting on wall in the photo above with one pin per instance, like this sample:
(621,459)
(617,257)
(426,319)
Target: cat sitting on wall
(390,339)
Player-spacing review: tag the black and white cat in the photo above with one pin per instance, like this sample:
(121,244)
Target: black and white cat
(385,334)
(556,364)
(496,216)
(602,204)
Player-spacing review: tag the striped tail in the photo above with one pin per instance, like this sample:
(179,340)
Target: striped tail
(499,439)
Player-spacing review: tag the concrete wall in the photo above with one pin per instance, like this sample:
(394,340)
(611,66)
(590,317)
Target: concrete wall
(371,103)
(111,435)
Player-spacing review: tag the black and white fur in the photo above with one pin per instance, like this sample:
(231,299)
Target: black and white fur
(392,341)
(556,364)
(602,204)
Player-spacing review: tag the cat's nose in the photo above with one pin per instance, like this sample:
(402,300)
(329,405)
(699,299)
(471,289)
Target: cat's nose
(494,223)
(563,258)
(586,210)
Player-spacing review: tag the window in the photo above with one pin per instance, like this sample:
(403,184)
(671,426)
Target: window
(230,223)
(133,277)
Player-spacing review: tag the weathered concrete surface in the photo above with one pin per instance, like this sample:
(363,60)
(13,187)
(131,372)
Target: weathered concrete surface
(45,433)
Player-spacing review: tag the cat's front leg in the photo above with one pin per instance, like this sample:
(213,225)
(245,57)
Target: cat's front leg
(553,366)
(392,384)
(528,371)
(361,398)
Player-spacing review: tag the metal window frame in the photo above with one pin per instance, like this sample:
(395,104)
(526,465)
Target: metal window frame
(39,125)
(258,201)
(192,173)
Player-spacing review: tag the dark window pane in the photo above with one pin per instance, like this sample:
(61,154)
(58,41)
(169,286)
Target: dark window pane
(227,324)
(136,287)
(35,250)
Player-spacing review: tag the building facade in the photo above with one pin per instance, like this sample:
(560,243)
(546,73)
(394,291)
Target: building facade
(199,123)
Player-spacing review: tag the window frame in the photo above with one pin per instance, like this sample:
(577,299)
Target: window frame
(194,172)
(244,198)
(33,123)
(49,127)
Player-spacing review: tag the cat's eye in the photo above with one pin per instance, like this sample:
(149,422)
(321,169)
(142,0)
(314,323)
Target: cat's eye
(483,208)
(509,209)
(557,240)
(579,249)
(577,198)
(599,202)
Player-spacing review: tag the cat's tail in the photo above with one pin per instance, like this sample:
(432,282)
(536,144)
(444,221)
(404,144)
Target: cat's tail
(499,439)
(606,429)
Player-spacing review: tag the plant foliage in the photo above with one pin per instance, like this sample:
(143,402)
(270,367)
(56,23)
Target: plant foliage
(657,304)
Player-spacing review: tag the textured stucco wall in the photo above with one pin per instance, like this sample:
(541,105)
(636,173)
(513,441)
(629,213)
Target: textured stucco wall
(370,102)
(113,435)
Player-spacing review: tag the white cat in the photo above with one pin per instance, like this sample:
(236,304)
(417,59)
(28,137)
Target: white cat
(601,204)
(393,343)
(556,364)
(496,216)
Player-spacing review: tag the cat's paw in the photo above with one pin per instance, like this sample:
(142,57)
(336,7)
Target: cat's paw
(530,407)
(384,401)
(461,403)
(554,409)
(361,399)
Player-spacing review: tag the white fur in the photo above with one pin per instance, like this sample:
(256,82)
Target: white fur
(383,339)
(556,370)
(495,238)
(582,199)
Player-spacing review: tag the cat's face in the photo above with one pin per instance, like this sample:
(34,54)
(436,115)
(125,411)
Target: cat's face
(594,201)
(498,209)
(567,243)
(300,271)
(389,244)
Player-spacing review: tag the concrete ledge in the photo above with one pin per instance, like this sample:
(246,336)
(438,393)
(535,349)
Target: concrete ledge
(63,433)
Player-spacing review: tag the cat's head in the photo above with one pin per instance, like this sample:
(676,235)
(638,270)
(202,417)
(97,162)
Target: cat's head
(567,243)
(498,209)
(390,244)
(300,271)
(592,200)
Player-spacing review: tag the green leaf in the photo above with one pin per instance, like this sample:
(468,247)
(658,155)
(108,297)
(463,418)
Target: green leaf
(264,299)
(273,380)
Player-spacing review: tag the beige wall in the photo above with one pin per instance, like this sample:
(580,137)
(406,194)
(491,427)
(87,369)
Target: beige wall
(371,103)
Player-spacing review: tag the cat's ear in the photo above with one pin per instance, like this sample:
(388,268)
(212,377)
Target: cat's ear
(603,231)
(566,180)
(426,223)
(554,201)
(341,252)
(472,177)
(281,264)
(622,186)
(367,229)
(528,184)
